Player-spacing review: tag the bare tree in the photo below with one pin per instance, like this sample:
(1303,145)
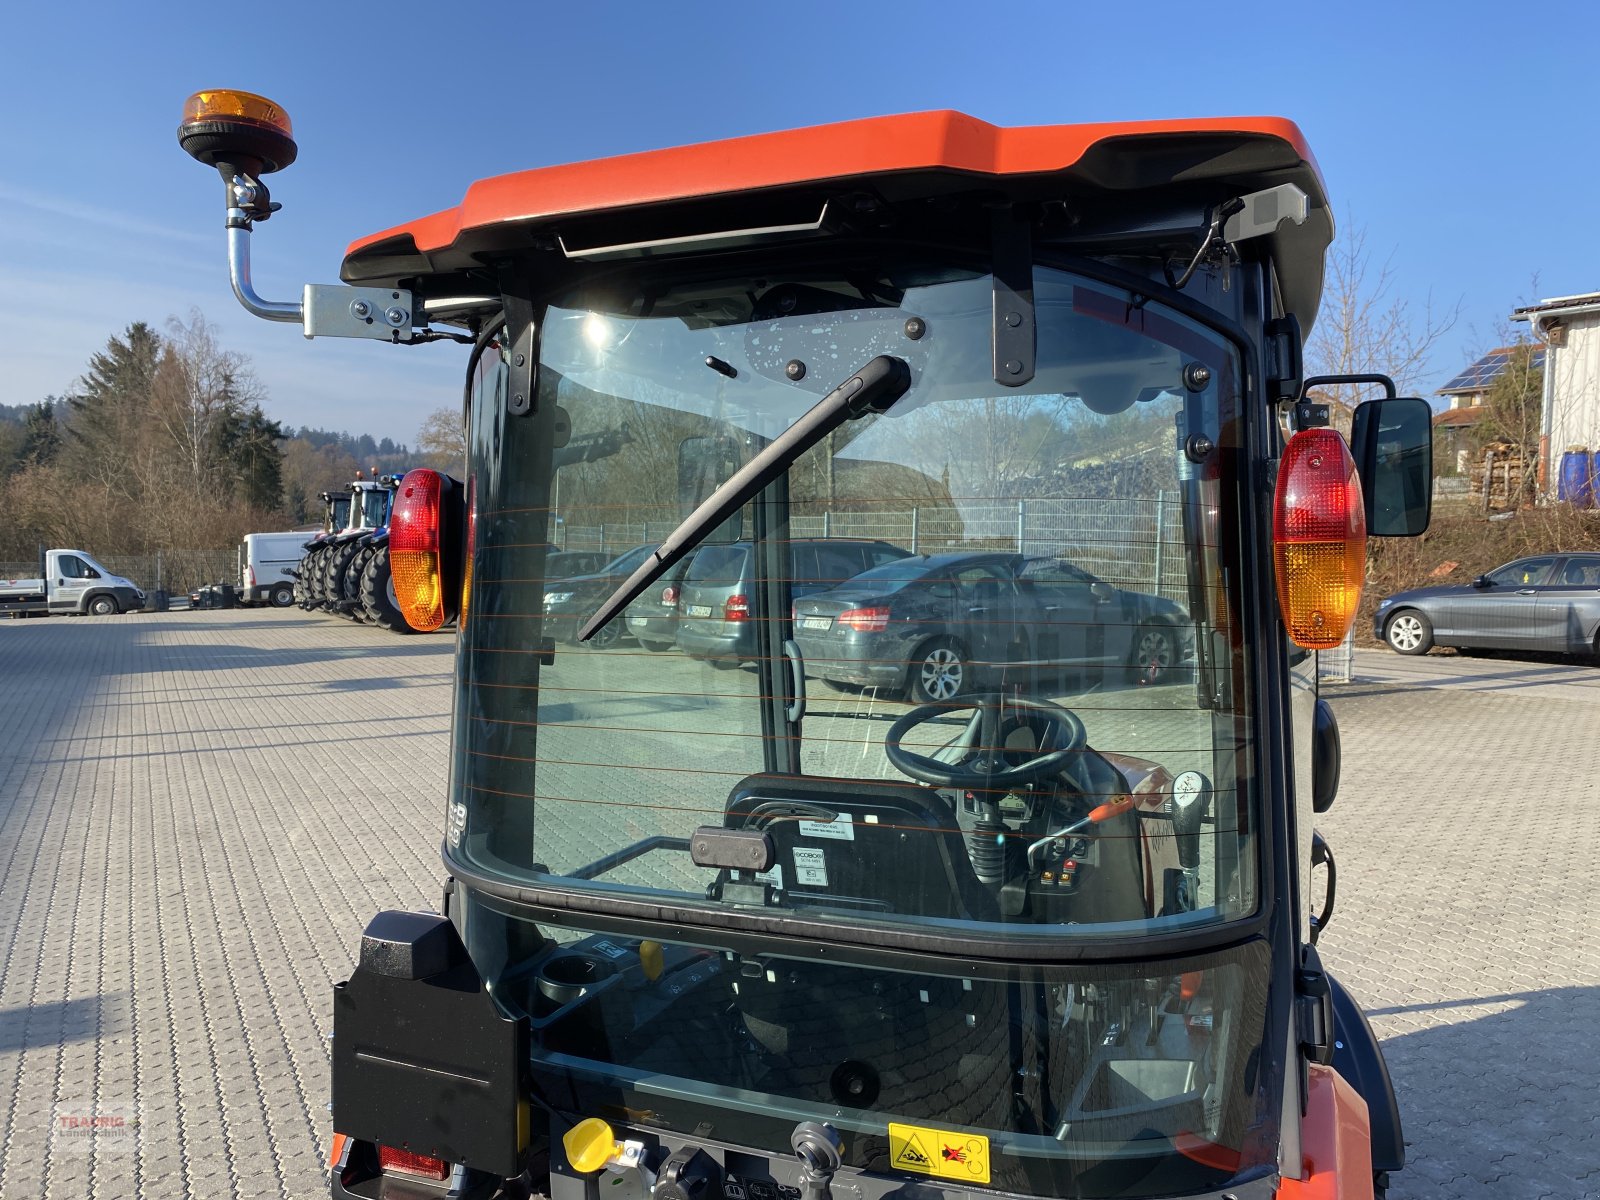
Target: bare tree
(1363,326)
(198,387)
(443,439)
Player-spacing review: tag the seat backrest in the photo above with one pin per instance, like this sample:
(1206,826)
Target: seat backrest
(862,845)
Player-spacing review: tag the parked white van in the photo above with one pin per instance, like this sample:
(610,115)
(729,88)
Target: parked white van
(265,560)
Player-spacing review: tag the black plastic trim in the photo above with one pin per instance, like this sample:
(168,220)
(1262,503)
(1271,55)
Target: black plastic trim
(568,904)
(1359,1059)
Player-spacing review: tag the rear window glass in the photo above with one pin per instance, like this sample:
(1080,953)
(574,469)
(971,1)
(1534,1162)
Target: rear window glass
(891,576)
(719,564)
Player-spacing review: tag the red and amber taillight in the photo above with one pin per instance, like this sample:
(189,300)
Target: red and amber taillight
(1319,539)
(736,608)
(424,548)
(472,546)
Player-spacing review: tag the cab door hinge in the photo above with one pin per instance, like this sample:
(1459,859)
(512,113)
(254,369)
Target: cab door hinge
(1313,1012)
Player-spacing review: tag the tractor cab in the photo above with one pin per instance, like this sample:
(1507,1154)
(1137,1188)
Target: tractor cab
(961,841)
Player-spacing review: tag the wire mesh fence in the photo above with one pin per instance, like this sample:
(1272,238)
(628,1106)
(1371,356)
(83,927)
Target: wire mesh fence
(1134,543)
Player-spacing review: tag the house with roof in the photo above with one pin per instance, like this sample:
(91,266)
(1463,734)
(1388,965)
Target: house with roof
(1568,327)
(1466,396)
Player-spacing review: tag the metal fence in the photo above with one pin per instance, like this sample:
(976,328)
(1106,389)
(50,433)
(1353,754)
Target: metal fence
(1131,543)
(175,571)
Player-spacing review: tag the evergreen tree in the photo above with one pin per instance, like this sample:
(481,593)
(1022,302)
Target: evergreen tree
(120,380)
(41,438)
(249,442)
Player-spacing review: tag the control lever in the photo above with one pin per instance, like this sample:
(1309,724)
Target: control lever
(1113,808)
(1186,819)
(1191,799)
(821,1153)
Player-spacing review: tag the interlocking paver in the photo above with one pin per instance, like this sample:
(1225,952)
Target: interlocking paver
(199,812)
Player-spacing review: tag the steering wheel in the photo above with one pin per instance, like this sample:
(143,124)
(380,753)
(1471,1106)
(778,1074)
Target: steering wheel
(987,769)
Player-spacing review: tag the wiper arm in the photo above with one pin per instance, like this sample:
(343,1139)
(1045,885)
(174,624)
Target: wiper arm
(873,388)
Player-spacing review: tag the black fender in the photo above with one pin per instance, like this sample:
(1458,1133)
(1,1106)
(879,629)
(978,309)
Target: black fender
(1357,1057)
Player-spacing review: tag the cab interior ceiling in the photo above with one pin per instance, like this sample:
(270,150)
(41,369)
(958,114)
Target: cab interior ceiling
(1087,209)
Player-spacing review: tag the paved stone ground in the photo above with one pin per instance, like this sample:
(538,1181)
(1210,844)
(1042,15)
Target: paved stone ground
(1467,832)
(199,812)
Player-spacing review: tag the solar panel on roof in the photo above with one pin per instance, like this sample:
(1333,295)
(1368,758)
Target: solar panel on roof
(1481,374)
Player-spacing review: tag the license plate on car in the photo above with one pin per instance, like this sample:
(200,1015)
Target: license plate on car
(636,622)
(816,622)
(699,610)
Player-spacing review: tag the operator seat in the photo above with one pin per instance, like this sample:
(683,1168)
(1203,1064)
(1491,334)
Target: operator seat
(897,848)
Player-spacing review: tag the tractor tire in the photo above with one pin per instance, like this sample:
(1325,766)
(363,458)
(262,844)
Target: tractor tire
(315,566)
(377,595)
(339,560)
(350,583)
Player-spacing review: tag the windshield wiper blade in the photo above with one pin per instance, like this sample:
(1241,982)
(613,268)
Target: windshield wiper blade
(872,389)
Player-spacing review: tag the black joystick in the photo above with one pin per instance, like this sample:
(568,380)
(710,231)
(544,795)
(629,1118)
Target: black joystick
(821,1152)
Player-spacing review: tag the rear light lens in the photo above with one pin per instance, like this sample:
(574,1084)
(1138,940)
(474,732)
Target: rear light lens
(1319,539)
(414,558)
(669,595)
(250,575)
(472,544)
(737,608)
(865,620)
(405,1162)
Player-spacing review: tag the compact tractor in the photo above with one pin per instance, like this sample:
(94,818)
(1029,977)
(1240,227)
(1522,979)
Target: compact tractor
(310,573)
(719,934)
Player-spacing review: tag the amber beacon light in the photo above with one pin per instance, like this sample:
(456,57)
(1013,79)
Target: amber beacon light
(1319,539)
(241,130)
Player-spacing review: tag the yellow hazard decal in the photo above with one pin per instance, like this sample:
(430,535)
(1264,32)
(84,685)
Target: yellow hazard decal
(941,1152)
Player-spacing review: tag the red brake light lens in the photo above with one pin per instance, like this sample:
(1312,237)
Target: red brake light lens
(414,564)
(737,608)
(669,595)
(406,1162)
(1319,538)
(865,620)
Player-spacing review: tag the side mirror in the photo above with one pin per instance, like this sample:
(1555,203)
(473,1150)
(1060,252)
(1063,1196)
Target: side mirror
(1325,758)
(1391,441)
(1102,591)
(1482,581)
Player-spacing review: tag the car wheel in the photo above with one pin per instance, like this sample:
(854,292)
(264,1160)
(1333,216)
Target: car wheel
(1155,653)
(1409,632)
(607,636)
(103,606)
(938,673)
(282,595)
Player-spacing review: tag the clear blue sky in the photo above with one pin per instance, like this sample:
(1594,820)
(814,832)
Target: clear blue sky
(1463,138)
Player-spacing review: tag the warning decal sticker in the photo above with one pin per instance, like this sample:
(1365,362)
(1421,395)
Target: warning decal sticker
(941,1152)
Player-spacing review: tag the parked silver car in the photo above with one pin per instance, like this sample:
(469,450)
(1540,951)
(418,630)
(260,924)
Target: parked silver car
(1547,602)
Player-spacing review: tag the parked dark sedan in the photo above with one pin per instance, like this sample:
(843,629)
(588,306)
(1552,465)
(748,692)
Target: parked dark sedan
(1548,602)
(936,626)
(569,602)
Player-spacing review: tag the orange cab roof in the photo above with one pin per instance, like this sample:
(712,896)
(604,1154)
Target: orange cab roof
(915,144)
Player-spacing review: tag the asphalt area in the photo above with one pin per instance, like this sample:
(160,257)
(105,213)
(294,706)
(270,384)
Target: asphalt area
(200,811)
